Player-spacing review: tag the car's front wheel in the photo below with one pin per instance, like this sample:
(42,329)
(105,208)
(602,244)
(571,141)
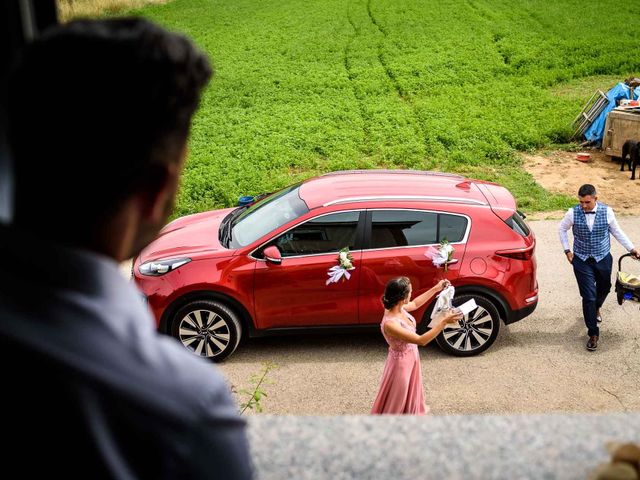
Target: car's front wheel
(208,328)
(477,330)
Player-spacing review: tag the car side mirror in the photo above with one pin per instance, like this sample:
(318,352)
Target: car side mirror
(272,255)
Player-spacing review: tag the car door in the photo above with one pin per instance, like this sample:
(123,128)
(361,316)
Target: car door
(294,293)
(395,244)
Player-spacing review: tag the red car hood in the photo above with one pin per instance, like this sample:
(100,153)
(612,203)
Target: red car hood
(193,234)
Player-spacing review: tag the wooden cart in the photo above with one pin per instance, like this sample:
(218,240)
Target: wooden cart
(621,125)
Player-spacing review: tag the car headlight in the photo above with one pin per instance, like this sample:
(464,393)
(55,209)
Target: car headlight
(156,268)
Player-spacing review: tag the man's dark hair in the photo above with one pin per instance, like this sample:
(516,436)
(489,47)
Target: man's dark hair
(586,189)
(93,106)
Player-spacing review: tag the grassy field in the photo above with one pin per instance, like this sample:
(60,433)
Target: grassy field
(304,87)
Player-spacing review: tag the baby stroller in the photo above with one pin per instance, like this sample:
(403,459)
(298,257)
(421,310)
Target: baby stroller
(627,284)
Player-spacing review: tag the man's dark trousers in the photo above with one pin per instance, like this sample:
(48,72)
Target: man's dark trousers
(594,281)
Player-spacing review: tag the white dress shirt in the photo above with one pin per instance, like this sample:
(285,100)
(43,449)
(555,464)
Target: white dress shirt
(567,223)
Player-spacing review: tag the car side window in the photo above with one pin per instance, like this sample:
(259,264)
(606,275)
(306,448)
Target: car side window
(399,228)
(403,228)
(452,227)
(324,234)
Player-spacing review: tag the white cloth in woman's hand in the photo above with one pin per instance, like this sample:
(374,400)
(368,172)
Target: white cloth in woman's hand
(443,301)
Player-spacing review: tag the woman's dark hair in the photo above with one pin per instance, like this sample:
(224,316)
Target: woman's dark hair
(396,290)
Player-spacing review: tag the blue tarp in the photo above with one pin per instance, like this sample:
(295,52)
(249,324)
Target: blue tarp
(596,130)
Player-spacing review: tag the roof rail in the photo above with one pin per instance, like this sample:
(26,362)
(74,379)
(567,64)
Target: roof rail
(410,198)
(400,172)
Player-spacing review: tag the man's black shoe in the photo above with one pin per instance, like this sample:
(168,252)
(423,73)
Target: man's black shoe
(592,344)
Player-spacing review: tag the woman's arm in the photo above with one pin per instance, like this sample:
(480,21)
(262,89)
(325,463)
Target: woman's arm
(393,329)
(420,300)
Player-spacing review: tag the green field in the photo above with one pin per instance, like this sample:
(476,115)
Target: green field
(304,87)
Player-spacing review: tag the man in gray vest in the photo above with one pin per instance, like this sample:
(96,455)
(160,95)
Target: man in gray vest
(591,223)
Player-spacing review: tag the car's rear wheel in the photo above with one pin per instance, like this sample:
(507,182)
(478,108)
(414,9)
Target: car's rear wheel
(478,329)
(208,328)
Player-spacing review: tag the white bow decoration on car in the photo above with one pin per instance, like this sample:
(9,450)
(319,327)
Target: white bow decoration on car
(341,271)
(441,256)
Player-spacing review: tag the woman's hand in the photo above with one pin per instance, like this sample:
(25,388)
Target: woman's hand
(452,316)
(442,284)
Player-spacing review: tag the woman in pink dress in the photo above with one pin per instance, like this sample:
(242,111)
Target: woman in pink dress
(401,386)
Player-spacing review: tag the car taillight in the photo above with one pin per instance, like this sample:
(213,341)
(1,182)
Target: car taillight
(517,254)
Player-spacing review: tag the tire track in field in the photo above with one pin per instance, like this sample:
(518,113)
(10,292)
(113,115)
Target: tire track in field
(402,94)
(496,37)
(524,13)
(351,77)
(479,11)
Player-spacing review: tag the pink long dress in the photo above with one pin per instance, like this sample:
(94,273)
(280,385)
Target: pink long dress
(401,385)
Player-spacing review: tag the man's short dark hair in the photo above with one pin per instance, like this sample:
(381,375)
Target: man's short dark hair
(587,189)
(93,105)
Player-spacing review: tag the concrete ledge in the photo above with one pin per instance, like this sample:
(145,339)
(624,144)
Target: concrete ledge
(436,447)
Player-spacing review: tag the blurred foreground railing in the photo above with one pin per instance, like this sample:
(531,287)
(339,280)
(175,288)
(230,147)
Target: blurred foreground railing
(436,447)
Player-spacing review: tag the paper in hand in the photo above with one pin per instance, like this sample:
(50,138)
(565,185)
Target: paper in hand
(467,307)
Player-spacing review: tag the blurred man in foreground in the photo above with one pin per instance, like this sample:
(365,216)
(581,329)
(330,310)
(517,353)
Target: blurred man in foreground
(99,114)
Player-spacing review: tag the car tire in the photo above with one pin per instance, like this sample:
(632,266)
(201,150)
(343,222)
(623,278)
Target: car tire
(207,328)
(479,328)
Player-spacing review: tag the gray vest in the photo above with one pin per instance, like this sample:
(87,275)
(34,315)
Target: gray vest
(591,243)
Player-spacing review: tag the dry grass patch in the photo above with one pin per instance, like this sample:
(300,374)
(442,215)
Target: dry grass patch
(70,9)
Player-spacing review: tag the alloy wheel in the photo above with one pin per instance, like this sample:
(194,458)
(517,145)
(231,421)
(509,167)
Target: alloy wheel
(204,332)
(475,330)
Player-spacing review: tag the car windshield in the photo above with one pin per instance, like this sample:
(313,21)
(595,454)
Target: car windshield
(267,215)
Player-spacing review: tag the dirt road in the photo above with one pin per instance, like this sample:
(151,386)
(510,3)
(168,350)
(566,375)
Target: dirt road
(560,172)
(539,364)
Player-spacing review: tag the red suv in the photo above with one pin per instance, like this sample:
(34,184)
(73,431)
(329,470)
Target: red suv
(215,277)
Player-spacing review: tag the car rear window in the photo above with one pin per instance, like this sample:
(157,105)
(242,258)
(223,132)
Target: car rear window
(401,228)
(397,228)
(452,227)
(517,224)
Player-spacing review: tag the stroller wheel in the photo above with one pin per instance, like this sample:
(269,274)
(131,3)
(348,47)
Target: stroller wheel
(619,295)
